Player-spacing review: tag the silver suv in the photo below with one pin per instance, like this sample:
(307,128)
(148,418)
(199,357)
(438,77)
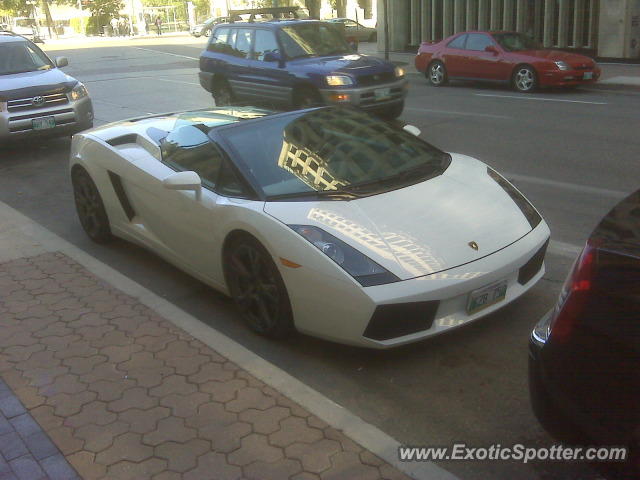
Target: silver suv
(36,98)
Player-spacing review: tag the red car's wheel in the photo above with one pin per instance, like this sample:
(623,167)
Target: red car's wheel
(525,79)
(437,74)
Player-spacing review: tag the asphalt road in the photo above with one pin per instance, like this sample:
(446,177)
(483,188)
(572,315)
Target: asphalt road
(573,153)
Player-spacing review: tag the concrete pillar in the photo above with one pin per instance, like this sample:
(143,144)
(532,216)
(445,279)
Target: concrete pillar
(521,15)
(507,15)
(458,16)
(472,14)
(436,21)
(563,24)
(483,14)
(416,19)
(578,23)
(618,35)
(495,15)
(425,20)
(549,19)
(447,18)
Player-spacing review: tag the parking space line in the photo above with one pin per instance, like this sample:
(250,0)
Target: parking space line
(166,53)
(605,192)
(449,112)
(540,99)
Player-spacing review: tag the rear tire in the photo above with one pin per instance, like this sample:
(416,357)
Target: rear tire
(91,212)
(437,74)
(257,288)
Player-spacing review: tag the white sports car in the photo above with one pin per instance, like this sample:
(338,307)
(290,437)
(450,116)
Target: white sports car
(326,221)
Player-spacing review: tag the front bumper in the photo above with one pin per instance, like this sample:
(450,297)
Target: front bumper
(70,118)
(561,78)
(347,315)
(368,98)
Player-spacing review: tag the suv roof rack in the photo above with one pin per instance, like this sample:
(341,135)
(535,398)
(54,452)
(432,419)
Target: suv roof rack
(277,12)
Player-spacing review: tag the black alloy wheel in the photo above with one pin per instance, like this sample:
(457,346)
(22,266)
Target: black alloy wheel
(257,288)
(90,208)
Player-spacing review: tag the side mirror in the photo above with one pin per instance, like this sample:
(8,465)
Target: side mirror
(184,181)
(62,62)
(491,49)
(412,129)
(273,57)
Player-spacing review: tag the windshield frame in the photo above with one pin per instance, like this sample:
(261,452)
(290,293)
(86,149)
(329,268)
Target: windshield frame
(43,56)
(353,191)
(282,32)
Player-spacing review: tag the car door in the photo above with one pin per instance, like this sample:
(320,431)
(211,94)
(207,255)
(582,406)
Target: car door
(181,223)
(455,56)
(481,63)
(241,40)
(272,81)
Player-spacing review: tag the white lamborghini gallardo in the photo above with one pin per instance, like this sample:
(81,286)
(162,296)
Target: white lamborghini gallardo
(326,221)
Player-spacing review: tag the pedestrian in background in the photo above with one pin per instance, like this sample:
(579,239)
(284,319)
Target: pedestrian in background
(114,27)
(158,23)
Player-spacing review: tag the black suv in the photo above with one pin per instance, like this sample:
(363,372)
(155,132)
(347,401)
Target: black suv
(300,63)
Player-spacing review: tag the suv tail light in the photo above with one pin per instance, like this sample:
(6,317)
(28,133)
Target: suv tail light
(574,295)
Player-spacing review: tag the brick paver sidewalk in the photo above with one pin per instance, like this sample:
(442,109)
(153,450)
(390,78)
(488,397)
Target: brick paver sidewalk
(124,394)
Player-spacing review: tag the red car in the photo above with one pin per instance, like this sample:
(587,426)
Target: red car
(508,57)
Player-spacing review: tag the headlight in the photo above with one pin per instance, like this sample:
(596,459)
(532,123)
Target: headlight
(528,210)
(338,80)
(366,272)
(78,92)
(399,71)
(562,65)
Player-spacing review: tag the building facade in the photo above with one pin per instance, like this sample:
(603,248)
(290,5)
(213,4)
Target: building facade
(605,28)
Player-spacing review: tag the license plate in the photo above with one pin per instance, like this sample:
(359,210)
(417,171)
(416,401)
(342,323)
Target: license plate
(587,76)
(43,123)
(486,296)
(382,93)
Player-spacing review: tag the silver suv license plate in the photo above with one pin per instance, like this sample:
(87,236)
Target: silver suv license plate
(43,123)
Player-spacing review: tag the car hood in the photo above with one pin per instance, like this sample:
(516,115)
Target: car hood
(30,84)
(572,59)
(424,228)
(353,64)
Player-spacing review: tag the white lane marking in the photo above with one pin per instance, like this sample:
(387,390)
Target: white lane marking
(564,249)
(22,237)
(449,112)
(616,194)
(540,99)
(173,81)
(166,53)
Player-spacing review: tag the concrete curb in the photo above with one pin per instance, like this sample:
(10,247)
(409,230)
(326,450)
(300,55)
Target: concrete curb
(21,237)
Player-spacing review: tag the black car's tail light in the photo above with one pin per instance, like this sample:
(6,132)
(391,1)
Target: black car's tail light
(533,266)
(531,214)
(574,295)
(400,319)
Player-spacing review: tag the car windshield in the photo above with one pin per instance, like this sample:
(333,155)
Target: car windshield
(514,42)
(334,153)
(19,57)
(312,39)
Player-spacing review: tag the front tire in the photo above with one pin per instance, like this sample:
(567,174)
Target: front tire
(91,212)
(257,288)
(392,112)
(525,79)
(437,74)
(222,93)
(307,98)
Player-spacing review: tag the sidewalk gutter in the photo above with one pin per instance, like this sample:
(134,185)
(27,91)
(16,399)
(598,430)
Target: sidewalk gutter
(21,237)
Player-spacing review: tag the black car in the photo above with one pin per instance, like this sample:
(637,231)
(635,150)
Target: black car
(584,355)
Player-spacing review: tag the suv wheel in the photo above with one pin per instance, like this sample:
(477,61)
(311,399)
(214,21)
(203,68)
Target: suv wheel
(222,93)
(307,98)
